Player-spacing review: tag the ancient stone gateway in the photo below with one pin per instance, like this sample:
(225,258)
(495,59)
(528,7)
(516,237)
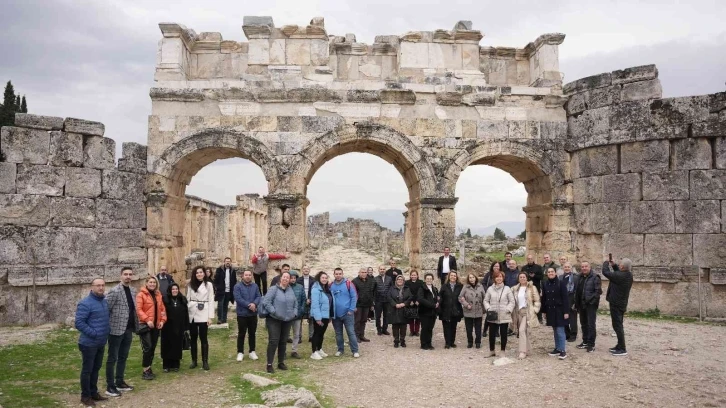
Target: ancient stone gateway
(608,164)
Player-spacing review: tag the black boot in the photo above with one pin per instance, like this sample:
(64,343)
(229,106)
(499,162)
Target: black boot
(193,349)
(205,356)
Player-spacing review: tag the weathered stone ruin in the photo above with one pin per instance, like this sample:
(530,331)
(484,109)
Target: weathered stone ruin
(608,164)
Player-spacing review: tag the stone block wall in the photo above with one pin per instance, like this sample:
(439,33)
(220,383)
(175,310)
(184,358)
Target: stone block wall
(648,184)
(68,214)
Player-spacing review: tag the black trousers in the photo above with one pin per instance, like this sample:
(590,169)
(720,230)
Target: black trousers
(198,331)
(148,346)
(473,323)
(278,331)
(571,327)
(616,315)
(319,334)
(361,318)
(261,281)
(502,329)
(399,333)
(245,324)
(449,331)
(588,321)
(381,321)
(427,330)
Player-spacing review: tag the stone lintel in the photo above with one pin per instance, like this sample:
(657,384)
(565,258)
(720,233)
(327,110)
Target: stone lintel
(286,200)
(437,202)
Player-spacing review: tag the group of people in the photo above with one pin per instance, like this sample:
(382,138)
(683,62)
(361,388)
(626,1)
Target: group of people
(506,301)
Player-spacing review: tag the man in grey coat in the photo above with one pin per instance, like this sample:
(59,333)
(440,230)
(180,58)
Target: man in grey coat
(124,323)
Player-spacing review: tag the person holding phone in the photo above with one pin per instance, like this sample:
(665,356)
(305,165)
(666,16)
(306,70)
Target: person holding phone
(621,280)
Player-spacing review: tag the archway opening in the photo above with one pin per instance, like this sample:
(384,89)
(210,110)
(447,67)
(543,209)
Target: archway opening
(357,202)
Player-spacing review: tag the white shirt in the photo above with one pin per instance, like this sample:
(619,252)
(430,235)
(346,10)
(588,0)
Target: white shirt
(306,283)
(430,288)
(522,297)
(445,265)
(226,280)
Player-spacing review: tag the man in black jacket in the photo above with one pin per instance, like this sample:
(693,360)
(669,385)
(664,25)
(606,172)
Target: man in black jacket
(534,274)
(383,284)
(447,263)
(621,280)
(366,288)
(587,301)
(570,278)
(392,272)
(224,280)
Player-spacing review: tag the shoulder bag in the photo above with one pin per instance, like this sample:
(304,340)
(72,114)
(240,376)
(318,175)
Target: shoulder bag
(493,315)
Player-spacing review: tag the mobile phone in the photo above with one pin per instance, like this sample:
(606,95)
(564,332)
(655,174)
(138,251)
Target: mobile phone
(610,257)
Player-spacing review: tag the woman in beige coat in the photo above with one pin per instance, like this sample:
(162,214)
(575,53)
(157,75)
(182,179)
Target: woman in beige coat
(499,299)
(472,302)
(526,306)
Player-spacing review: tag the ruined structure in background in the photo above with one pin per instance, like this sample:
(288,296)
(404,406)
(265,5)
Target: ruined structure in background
(214,231)
(608,164)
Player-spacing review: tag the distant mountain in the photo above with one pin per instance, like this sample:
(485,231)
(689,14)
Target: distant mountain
(391,219)
(511,228)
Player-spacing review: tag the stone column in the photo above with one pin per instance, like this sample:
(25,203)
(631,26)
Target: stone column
(286,225)
(438,229)
(165,220)
(406,239)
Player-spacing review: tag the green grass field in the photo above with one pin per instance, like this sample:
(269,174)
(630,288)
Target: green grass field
(46,374)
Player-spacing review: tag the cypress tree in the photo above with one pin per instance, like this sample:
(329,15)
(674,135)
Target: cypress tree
(7,113)
(17,103)
(23,105)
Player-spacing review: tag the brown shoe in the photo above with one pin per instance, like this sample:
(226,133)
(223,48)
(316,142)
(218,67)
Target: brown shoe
(98,397)
(88,402)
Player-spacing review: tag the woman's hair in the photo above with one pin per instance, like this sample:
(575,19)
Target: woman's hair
(468,279)
(317,279)
(452,273)
(410,274)
(496,274)
(429,274)
(194,283)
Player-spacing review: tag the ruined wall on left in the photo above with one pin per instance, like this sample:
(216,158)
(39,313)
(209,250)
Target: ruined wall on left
(68,213)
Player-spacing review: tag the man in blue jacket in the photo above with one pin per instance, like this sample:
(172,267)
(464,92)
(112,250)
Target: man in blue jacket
(247,298)
(92,321)
(344,304)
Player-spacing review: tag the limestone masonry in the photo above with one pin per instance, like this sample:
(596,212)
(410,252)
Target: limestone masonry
(608,164)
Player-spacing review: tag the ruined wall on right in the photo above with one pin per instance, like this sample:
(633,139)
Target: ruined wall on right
(649,183)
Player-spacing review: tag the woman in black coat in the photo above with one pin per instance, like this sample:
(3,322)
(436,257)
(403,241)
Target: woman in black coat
(450,308)
(428,303)
(556,305)
(172,334)
(399,297)
(414,284)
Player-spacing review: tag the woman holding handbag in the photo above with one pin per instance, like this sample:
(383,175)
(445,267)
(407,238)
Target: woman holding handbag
(177,323)
(152,316)
(499,304)
(200,294)
(413,284)
(526,306)
(428,299)
(399,297)
(451,311)
(472,303)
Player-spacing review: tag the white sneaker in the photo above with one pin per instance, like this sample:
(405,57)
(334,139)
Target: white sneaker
(240,356)
(322,353)
(356,355)
(338,353)
(253,355)
(316,356)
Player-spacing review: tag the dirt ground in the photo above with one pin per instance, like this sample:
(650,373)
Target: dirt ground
(669,364)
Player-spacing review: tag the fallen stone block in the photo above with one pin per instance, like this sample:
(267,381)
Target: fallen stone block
(259,381)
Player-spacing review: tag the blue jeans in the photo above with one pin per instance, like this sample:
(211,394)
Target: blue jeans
(118,353)
(560,339)
(222,306)
(92,358)
(349,321)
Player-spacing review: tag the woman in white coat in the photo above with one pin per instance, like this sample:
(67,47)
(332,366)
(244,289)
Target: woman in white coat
(200,296)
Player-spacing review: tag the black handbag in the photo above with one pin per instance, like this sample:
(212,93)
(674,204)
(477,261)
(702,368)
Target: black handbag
(493,315)
(143,329)
(186,341)
(410,312)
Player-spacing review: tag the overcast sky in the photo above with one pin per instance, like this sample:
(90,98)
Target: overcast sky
(95,59)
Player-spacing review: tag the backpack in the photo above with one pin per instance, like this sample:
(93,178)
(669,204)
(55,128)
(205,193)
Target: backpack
(262,311)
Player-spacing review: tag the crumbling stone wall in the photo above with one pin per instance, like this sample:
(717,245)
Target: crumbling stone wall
(649,183)
(68,214)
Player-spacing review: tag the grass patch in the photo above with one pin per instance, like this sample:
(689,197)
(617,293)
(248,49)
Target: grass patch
(46,374)
(654,314)
(497,256)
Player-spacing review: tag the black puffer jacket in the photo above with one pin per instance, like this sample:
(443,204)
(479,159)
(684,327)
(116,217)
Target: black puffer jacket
(427,301)
(591,290)
(366,291)
(619,286)
(450,307)
(383,283)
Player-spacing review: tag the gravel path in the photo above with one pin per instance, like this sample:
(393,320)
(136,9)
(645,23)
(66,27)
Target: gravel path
(670,365)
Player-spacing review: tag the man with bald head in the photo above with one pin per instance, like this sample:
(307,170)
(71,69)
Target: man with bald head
(93,323)
(165,280)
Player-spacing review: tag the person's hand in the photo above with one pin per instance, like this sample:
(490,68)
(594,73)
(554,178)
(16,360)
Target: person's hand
(209,323)
(161,325)
(308,301)
(350,313)
(468,307)
(319,322)
(567,316)
(253,307)
(437,305)
(372,308)
(150,323)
